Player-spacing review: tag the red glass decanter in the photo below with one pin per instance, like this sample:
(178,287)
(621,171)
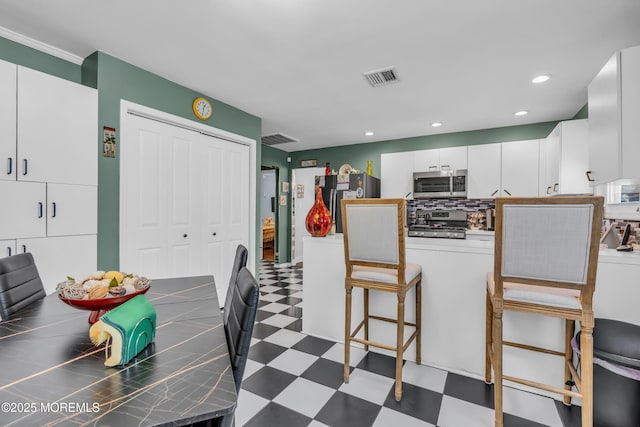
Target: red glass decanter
(318,221)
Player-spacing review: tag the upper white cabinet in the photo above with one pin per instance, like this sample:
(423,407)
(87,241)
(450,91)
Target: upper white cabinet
(451,158)
(564,159)
(503,169)
(614,128)
(7,121)
(23,212)
(520,168)
(483,172)
(57,122)
(7,248)
(396,174)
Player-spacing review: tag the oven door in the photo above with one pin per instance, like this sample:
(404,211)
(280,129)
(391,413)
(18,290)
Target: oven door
(431,184)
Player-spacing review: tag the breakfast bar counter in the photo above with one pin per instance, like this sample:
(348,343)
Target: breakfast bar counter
(453,304)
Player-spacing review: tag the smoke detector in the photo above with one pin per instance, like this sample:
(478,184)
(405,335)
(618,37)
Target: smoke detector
(381,77)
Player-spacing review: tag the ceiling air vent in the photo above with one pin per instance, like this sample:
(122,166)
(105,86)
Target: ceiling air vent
(277,138)
(382,77)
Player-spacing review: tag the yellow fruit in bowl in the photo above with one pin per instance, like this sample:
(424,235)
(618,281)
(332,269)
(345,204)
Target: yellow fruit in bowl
(113,275)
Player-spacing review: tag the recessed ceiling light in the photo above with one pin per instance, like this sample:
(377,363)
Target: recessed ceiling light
(368,133)
(521,113)
(540,79)
(436,124)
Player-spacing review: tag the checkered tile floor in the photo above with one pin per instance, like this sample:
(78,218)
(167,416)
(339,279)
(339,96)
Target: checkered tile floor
(292,379)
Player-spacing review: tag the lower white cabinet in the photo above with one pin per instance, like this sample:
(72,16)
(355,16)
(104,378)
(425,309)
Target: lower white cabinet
(72,209)
(59,257)
(23,212)
(7,248)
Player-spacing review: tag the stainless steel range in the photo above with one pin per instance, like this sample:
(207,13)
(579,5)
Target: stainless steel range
(450,224)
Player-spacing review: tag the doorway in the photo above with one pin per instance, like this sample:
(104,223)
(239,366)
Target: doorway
(268,212)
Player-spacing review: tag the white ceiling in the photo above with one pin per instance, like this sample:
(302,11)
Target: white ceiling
(298,64)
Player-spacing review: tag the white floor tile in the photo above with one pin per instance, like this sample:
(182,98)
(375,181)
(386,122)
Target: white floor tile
(424,376)
(249,404)
(254,341)
(279,320)
(531,406)
(304,396)
(297,295)
(294,287)
(275,307)
(269,288)
(293,280)
(293,361)
(389,417)
(459,413)
(251,368)
(336,353)
(285,338)
(271,297)
(315,423)
(368,386)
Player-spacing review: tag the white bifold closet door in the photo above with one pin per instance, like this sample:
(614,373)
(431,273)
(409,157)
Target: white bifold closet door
(184,202)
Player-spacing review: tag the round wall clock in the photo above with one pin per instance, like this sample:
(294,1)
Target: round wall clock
(202,108)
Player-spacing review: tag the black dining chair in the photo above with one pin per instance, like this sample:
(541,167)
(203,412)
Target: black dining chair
(238,325)
(239,261)
(20,283)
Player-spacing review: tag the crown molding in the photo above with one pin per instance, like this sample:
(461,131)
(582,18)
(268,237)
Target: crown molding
(38,45)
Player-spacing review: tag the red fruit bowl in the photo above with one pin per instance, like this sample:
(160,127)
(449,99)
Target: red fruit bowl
(99,306)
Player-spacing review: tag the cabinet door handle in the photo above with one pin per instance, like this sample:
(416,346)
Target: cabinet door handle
(548,189)
(25,163)
(494,193)
(445,166)
(24,249)
(433,167)
(10,166)
(589,176)
(53,206)
(507,191)
(555,187)
(40,209)
(9,250)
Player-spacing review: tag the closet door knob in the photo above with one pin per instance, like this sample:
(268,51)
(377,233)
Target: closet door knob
(215,234)
(185,235)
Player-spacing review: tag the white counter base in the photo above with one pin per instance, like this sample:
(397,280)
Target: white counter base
(453,306)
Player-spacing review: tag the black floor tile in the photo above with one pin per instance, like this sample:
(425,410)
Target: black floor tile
(469,389)
(268,382)
(313,345)
(416,402)
(290,300)
(262,303)
(513,421)
(274,415)
(295,326)
(264,352)
(325,372)
(261,315)
(285,291)
(293,312)
(571,416)
(379,364)
(344,410)
(262,330)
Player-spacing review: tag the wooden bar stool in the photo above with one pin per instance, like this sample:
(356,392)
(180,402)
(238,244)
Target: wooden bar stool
(546,255)
(374,254)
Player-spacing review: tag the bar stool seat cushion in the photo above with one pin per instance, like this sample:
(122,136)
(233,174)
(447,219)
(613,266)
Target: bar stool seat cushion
(556,297)
(411,271)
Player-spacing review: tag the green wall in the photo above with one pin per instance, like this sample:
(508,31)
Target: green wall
(277,159)
(17,53)
(116,80)
(357,155)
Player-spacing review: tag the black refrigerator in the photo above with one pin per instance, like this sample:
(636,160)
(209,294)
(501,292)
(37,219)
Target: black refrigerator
(353,186)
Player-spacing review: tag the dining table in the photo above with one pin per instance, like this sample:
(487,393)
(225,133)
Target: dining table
(51,374)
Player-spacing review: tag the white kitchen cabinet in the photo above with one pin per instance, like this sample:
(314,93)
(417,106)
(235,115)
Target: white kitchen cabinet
(451,158)
(483,172)
(57,122)
(396,174)
(7,248)
(519,176)
(7,121)
(23,212)
(71,209)
(614,128)
(564,159)
(503,169)
(59,257)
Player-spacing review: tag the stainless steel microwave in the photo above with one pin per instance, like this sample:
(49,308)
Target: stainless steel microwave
(440,184)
